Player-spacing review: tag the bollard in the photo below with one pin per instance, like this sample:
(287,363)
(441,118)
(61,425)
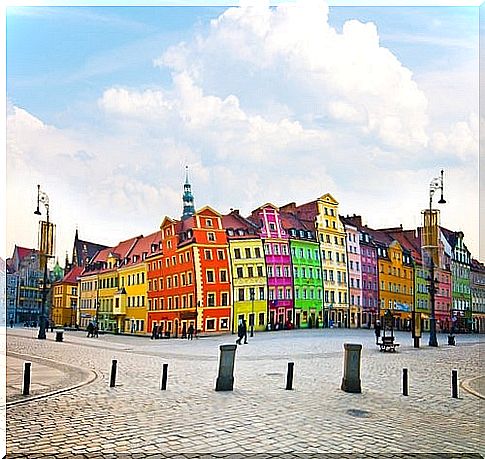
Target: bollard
(112,380)
(164,376)
(405,387)
(351,378)
(454,383)
(225,379)
(26,378)
(289,376)
(59,336)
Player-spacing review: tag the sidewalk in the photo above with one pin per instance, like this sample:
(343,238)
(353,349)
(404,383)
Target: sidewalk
(46,377)
(475,386)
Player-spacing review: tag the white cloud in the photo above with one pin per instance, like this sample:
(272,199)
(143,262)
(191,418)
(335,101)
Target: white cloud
(266,105)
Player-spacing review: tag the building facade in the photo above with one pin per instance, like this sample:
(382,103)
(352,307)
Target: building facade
(355,271)
(247,272)
(477,285)
(278,265)
(65,299)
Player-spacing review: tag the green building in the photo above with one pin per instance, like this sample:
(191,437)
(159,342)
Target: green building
(307,272)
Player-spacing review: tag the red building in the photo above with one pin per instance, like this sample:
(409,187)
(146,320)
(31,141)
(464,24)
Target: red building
(189,280)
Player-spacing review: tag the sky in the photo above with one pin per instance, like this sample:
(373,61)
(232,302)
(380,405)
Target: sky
(107,105)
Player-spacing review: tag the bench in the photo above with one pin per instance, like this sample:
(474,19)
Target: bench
(388,344)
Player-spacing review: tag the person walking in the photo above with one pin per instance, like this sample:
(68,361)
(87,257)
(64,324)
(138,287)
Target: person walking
(11,323)
(184,330)
(155,332)
(245,331)
(191,332)
(90,329)
(377,331)
(240,332)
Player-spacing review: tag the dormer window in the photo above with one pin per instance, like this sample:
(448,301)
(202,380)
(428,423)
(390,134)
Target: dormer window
(144,255)
(272,226)
(208,222)
(240,232)
(189,234)
(230,232)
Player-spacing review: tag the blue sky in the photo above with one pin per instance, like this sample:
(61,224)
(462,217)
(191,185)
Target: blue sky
(109,103)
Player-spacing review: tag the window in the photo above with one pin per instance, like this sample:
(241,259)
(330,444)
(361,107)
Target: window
(240,294)
(260,271)
(261,318)
(220,254)
(223,275)
(210,276)
(211,299)
(247,252)
(257,252)
(237,253)
(280,293)
(224,323)
(267,249)
(288,294)
(210,324)
(278,271)
(211,236)
(224,299)
(250,271)
(261,293)
(239,271)
(295,271)
(286,270)
(272,226)
(208,222)
(276,249)
(270,271)
(208,254)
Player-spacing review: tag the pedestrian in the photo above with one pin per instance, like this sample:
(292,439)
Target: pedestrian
(377,330)
(154,332)
(90,329)
(184,330)
(52,326)
(96,331)
(191,332)
(11,323)
(240,332)
(245,331)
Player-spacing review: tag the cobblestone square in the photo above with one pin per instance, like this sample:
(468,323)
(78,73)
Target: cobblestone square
(83,414)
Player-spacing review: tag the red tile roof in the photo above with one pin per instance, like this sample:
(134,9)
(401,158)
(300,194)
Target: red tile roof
(72,275)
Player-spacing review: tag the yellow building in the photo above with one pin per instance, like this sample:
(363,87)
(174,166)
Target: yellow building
(130,306)
(65,299)
(395,280)
(248,272)
(88,297)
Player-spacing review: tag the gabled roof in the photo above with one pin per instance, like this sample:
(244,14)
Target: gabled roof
(235,221)
(71,276)
(84,250)
(291,221)
(143,245)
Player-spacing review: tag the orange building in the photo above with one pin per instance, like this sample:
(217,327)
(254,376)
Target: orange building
(188,282)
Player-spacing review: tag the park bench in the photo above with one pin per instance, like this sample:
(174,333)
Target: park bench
(388,344)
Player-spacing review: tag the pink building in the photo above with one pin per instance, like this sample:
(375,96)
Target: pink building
(278,265)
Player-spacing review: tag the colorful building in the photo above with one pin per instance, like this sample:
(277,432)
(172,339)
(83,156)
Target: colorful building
(65,299)
(248,272)
(368,268)
(307,270)
(354,269)
(323,214)
(460,271)
(278,265)
(193,284)
(477,284)
(130,300)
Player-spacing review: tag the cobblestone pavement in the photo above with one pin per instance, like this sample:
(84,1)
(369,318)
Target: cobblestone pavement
(259,415)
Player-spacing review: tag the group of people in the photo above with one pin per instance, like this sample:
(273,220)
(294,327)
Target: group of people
(157,332)
(93,330)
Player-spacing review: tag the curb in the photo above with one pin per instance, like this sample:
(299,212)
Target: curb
(466,386)
(93,375)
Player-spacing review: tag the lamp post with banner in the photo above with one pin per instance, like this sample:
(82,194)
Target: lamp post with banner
(46,250)
(251,317)
(430,245)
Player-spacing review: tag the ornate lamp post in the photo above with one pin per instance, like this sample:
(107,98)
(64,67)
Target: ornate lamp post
(46,250)
(432,247)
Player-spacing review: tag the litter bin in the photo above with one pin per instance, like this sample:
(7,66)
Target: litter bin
(451,340)
(59,336)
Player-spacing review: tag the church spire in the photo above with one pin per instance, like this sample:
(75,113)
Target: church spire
(188,198)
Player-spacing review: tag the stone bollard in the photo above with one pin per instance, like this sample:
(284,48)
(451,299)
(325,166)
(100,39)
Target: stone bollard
(454,383)
(351,378)
(289,376)
(225,379)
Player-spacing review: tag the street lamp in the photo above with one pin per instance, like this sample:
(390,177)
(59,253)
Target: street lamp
(436,184)
(46,249)
(251,321)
